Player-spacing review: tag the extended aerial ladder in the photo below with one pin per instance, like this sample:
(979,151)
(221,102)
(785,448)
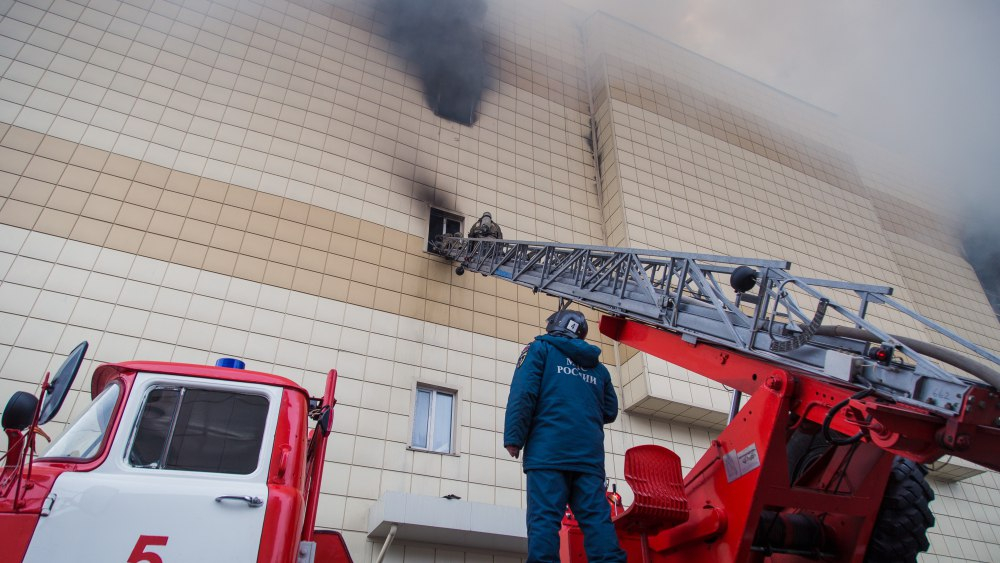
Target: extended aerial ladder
(800,472)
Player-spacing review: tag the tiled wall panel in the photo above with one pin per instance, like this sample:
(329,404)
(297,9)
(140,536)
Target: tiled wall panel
(297,103)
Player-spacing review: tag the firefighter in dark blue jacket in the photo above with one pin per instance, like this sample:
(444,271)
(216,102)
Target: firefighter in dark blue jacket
(560,399)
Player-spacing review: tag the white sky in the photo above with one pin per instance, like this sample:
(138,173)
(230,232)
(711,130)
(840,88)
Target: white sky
(920,77)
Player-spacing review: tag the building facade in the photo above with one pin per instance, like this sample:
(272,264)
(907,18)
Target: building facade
(187,180)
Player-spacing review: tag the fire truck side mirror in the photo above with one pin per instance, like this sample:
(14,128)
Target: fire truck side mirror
(19,412)
(61,382)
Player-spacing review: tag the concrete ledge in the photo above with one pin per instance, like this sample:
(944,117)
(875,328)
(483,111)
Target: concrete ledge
(950,468)
(449,522)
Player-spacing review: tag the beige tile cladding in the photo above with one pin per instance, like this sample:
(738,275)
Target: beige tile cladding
(655,92)
(904,218)
(60,188)
(543,73)
(299,103)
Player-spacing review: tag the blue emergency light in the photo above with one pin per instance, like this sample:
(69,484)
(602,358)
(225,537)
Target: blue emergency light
(230,363)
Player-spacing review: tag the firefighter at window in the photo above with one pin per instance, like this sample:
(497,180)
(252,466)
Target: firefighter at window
(484,227)
(560,399)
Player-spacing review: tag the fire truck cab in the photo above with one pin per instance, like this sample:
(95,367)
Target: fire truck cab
(169,463)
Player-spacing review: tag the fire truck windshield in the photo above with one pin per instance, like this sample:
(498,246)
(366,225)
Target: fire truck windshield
(83,439)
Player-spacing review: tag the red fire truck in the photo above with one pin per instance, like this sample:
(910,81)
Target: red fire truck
(169,463)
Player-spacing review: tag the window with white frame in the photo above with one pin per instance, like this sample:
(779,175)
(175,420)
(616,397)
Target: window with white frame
(433,420)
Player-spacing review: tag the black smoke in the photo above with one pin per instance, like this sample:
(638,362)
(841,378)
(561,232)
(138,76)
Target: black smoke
(981,243)
(443,41)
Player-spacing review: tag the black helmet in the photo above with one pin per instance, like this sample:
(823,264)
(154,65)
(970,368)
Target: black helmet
(567,323)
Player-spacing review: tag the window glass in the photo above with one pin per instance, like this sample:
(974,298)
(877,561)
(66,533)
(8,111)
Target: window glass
(442,223)
(190,429)
(421,418)
(442,422)
(83,439)
(433,420)
(154,428)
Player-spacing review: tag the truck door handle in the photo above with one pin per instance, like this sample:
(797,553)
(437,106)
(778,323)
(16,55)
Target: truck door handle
(47,505)
(253,502)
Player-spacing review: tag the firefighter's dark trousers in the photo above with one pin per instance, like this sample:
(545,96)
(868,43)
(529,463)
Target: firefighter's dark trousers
(548,493)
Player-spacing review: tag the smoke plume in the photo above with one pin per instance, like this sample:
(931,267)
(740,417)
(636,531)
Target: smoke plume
(917,77)
(443,40)
(981,243)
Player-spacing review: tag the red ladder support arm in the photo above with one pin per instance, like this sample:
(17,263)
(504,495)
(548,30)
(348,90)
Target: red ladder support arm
(918,434)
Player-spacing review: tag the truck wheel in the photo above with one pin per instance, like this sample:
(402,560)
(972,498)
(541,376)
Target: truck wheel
(900,531)
(804,447)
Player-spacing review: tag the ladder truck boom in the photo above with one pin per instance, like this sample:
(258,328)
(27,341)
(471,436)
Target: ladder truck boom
(682,293)
(802,469)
